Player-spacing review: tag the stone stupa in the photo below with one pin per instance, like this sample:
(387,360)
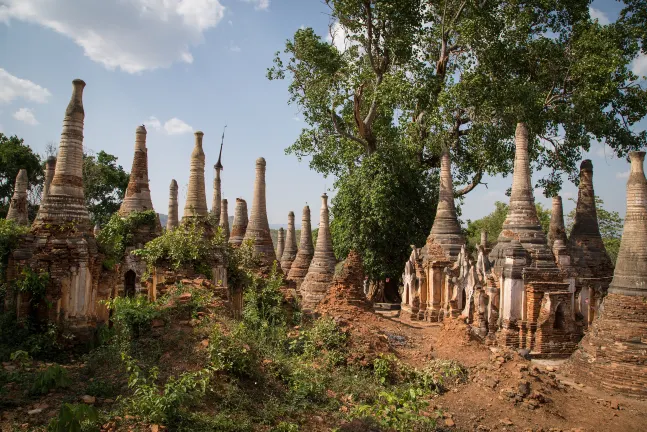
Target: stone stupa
(557,230)
(239,226)
(18,209)
(50,168)
(195,207)
(290,251)
(172,221)
(224,218)
(258,229)
(138,193)
(301,263)
(322,267)
(280,242)
(217,188)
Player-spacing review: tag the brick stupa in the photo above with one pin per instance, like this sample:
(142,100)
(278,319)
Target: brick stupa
(299,268)
(258,229)
(322,268)
(172,221)
(50,168)
(346,291)
(18,204)
(239,226)
(217,189)
(557,230)
(290,251)
(138,193)
(612,354)
(224,218)
(280,242)
(195,207)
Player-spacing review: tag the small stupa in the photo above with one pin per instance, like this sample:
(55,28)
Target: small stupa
(280,242)
(240,223)
(196,199)
(172,221)
(301,263)
(18,210)
(224,218)
(290,251)
(258,229)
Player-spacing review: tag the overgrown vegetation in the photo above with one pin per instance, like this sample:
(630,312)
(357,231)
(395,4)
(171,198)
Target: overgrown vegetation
(10,232)
(119,233)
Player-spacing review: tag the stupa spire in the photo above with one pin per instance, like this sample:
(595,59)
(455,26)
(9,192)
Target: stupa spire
(172,221)
(240,222)
(50,168)
(196,200)
(18,204)
(258,228)
(301,263)
(138,193)
(224,218)
(280,243)
(65,201)
(557,230)
(290,251)
(217,184)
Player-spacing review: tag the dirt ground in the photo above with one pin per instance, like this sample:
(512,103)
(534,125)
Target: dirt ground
(506,392)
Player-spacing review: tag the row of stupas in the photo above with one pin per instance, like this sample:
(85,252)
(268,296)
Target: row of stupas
(62,241)
(542,293)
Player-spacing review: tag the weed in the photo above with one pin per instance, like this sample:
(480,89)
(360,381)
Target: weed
(399,410)
(22,358)
(100,388)
(52,377)
(73,418)
(231,354)
(133,314)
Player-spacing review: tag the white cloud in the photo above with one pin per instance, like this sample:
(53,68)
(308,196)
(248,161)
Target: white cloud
(623,175)
(233,47)
(599,15)
(153,123)
(259,4)
(175,126)
(26,115)
(639,65)
(337,36)
(134,35)
(12,87)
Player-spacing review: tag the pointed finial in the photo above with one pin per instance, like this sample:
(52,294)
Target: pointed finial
(218,164)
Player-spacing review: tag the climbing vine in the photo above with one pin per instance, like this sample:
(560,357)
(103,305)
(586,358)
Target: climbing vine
(118,234)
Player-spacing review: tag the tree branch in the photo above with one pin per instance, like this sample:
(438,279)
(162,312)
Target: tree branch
(344,133)
(470,187)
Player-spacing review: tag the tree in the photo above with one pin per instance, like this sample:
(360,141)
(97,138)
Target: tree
(104,185)
(14,156)
(493,223)
(610,224)
(415,77)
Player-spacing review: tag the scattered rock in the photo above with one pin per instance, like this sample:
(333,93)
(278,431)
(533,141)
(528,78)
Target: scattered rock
(524,388)
(506,421)
(87,399)
(156,323)
(35,411)
(449,422)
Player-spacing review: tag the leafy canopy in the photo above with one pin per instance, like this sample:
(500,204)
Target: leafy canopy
(104,185)
(14,156)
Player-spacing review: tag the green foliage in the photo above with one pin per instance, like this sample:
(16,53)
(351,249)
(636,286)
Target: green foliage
(232,354)
(240,262)
(10,233)
(118,234)
(133,315)
(157,403)
(52,377)
(34,285)
(38,339)
(381,208)
(493,223)
(21,357)
(383,368)
(101,388)
(262,310)
(104,186)
(400,410)
(14,156)
(610,224)
(187,245)
(74,418)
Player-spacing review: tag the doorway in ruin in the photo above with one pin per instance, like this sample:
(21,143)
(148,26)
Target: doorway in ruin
(559,318)
(463,301)
(130,279)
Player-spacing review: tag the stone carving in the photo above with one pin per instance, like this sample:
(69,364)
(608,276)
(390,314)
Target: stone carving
(612,353)
(18,204)
(280,243)
(557,230)
(240,223)
(224,219)
(322,268)
(258,229)
(301,263)
(138,193)
(65,199)
(50,168)
(172,221)
(196,199)
(290,251)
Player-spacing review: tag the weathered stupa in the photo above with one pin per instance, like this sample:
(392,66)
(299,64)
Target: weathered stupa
(50,168)
(65,200)
(522,222)
(301,263)
(322,268)
(196,199)
(290,251)
(172,221)
(258,228)
(613,352)
(18,204)
(240,223)
(346,293)
(138,193)
(217,189)
(446,231)
(589,254)
(557,230)
(224,218)
(280,242)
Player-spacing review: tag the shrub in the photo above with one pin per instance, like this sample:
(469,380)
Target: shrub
(52,377)
(133,314)
(118,234)
(400,410)
(10,233)
(34,284)
(72,417)
(231,354)
(383,369)
(100,388)
(263,304)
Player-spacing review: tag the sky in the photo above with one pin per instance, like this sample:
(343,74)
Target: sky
(179,66)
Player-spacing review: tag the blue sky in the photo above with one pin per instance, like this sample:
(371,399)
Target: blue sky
(185,65)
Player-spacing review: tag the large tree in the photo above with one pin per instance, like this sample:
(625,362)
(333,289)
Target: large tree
(104,184)
(417,77)
(14,156)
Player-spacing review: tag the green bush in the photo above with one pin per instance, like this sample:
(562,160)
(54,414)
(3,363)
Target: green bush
(118,234)
(132,314)
(263,305)
(33,284)
(232,354)
(399,410)
(383,368)
(52,377)
(101,388)
(10,233)
(73,418)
